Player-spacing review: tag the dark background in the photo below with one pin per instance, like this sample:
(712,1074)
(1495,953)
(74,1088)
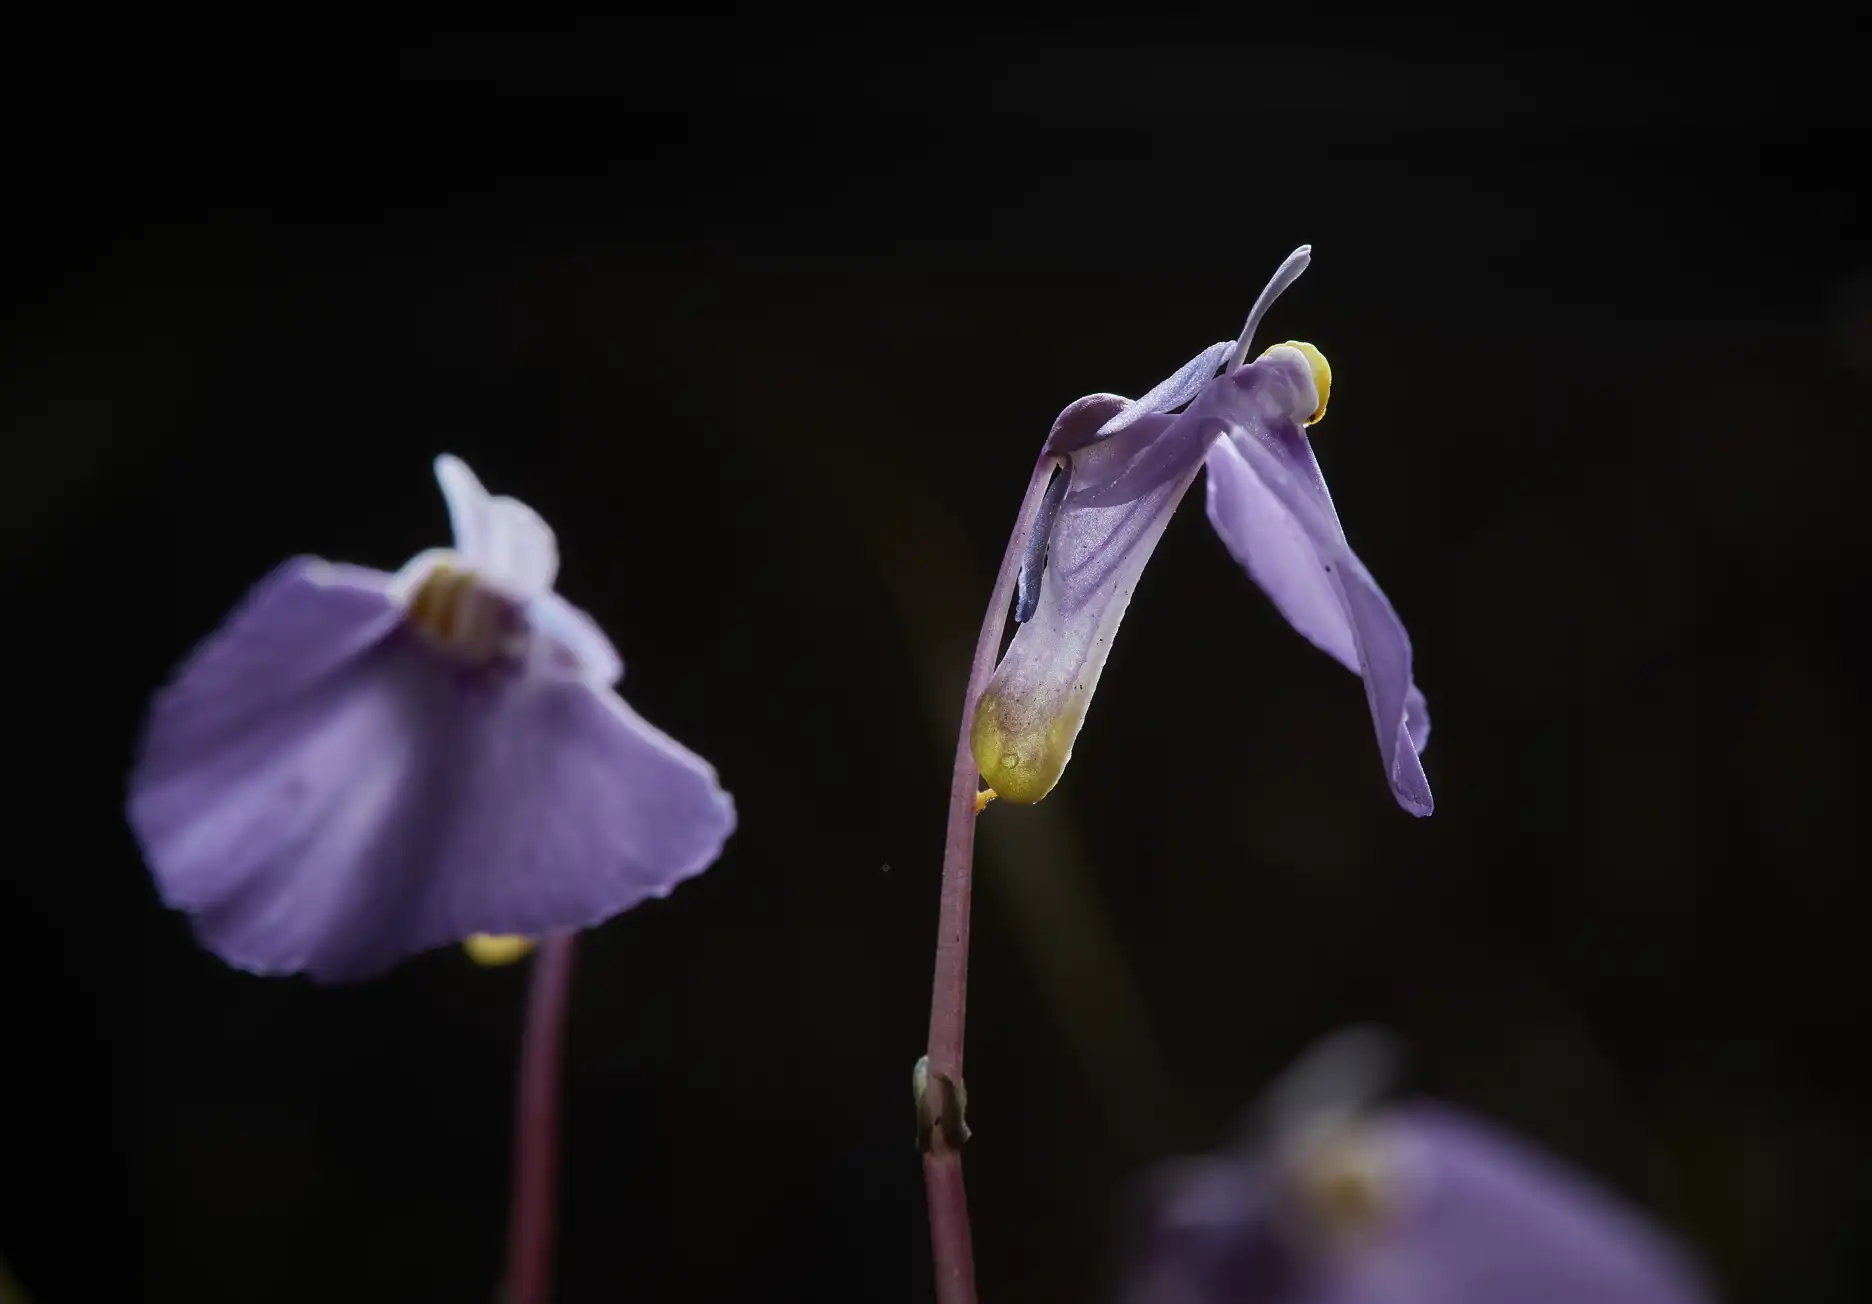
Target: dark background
(771,334)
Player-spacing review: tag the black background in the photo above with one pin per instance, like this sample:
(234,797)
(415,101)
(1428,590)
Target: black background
(770,333)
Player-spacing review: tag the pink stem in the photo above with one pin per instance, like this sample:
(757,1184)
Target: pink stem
(942,1160)
(950,1239)
(536,1126)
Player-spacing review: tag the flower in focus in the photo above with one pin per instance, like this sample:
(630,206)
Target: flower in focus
(358,766)
(1414,1203)
(1125,465)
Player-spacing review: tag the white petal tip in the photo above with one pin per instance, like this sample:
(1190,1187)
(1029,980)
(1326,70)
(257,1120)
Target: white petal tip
(467,505)
(453,475)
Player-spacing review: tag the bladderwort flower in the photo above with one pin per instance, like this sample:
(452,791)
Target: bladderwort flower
(359,766)
(1333,1199)
(1124,467)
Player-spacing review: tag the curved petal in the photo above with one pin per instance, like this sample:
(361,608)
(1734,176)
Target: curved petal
(1269,503)
(1174,390)
(294,630)
(1277,553)
(1122,494)
(563,808)
(211,788)
(1078,424)
(387,800)
(284,843)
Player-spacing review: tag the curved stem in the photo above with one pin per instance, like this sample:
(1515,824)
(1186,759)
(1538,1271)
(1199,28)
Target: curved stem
(536,1126)
(950,1238)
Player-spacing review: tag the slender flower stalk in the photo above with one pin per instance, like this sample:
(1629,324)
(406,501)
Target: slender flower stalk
(1109,477)
(360,765)
(941,1098)
(536,1126)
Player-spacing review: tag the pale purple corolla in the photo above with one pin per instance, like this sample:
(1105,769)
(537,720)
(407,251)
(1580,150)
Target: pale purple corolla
(1124,467)
(359,766)
(1337,1200)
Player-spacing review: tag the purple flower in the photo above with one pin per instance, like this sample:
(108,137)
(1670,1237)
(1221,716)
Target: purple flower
(359,766)
(1126,466)
(1409,1204)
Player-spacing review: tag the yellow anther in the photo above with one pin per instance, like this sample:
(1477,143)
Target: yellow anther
(436,605)
(982,799)
(1349,1179)
(497,948)
(464,618)
(1322,374)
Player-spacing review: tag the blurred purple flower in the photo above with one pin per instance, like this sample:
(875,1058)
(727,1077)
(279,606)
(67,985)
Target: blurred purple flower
(1408,1204)
(1126,467)
(358,766)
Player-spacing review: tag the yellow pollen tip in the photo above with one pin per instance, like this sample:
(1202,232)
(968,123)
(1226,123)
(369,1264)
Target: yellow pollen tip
(1020,759)
(1322,374)
(496,948)
(982,799)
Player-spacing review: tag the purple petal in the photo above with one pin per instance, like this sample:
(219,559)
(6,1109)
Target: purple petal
(566,808)
(323,790)
(1463,1214)
(1121,496)
(1488,1219)
(1268,501)
(1210,1234)
(1079,424)
(1174,390)
(295,629)
(1417,718)
(574,640)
